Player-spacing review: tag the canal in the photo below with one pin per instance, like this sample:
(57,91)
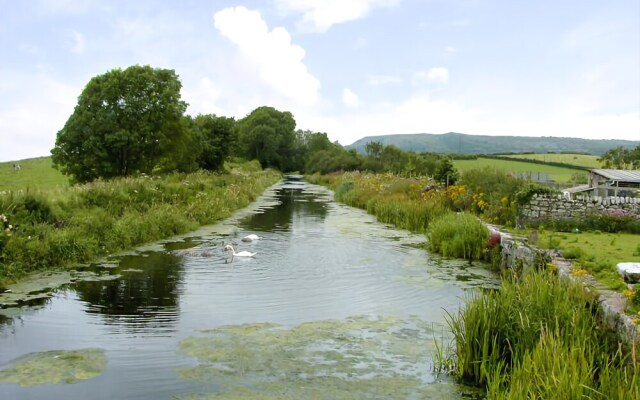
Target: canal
(333,305)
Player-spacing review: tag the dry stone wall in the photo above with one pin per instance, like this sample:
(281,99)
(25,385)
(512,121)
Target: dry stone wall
(560,207)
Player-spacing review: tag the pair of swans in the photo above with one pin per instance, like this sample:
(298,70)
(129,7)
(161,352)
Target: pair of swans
(248,238)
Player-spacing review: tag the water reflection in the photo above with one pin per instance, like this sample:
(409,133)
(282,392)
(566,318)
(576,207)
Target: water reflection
(294,202)
(149,287)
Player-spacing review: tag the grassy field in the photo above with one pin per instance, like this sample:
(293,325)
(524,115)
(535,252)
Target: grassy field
(581,160)
(596,252)
(558,174)
(34,173)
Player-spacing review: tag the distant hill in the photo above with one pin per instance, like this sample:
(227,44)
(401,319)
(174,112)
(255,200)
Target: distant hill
(479,144)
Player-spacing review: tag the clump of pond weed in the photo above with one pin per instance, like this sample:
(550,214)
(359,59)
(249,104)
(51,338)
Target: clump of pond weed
(55,367)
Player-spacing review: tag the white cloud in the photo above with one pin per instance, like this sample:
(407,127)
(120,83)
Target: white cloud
(436,75)
(30,123)
(277,61)
(77,42)
(320,15)
(450,50)
(349,98)
(378,80)
(203,99)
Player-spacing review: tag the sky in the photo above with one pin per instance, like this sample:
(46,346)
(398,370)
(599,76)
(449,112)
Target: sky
(350,68)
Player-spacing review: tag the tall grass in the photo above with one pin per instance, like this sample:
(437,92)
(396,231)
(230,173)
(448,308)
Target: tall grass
(392,199)
(459,235)
(55,228)
(540,338)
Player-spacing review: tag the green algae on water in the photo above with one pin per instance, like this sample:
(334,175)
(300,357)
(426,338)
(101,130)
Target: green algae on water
(359,357)
(54,367)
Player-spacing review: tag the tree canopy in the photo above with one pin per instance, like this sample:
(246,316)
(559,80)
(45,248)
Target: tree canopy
(268,135)
(216,138)
(125,121)
(621,158)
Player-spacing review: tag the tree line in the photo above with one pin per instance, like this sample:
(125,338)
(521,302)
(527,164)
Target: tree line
(133,121)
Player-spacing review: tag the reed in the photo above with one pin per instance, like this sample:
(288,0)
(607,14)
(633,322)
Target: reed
(459,235)
(58,227)
(540,337)
(392,199)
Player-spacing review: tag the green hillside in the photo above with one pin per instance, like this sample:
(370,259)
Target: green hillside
(558,174)
(34,173)
(482,144)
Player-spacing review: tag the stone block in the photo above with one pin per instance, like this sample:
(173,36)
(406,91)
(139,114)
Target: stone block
(630,271)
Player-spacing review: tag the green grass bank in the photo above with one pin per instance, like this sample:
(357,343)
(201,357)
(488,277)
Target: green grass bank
(62,226)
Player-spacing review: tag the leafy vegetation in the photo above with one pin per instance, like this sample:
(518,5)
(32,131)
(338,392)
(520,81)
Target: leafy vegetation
(392,199)
(48,229)
(126,121)
(621,158)
(539,337)
(459,235)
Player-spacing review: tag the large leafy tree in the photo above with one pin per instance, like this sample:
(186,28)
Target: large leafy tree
(126,121)
(216,138)
(269,136)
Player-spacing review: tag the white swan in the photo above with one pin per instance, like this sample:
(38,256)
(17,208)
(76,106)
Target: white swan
(250,238)
(241,254)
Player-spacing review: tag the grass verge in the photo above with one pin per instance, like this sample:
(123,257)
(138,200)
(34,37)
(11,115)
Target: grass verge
(56,228)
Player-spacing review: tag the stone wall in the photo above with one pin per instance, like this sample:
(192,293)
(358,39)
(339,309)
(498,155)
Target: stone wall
(560,207)
(519,255)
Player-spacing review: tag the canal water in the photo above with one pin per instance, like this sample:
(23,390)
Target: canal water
(334,305)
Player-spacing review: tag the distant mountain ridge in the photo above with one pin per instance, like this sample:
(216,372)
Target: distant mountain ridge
(461,143)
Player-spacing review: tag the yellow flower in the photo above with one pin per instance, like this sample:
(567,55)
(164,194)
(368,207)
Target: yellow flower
(579,272)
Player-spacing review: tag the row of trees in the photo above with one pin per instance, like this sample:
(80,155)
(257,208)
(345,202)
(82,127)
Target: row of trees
(621,158)
(133,121)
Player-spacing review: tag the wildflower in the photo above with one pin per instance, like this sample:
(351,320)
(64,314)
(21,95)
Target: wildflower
(3,218)
(579,272)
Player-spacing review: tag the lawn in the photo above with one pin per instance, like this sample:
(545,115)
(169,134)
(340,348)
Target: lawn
(35,173)
(559,174)
(580,160)
(596,252)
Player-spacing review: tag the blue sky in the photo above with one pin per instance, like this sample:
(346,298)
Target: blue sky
(350,68)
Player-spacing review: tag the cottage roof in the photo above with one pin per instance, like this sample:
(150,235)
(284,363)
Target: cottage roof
(620,175)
